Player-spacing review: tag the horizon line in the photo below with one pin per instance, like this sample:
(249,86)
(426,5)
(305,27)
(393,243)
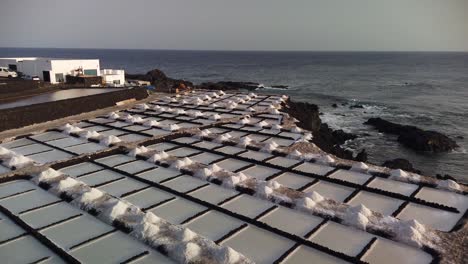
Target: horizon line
(253,50)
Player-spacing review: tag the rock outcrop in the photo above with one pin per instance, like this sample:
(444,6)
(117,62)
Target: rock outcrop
(327,139)
(414,137)
(160,80)
(228,85)
(402,164)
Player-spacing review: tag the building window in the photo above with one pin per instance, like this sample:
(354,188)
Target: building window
(12,67)
(92,72)
(116,81)
(59,77)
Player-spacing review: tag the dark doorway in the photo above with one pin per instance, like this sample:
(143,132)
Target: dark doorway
(46,75)
(12,67)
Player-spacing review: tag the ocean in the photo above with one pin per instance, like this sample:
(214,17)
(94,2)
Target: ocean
(428,90)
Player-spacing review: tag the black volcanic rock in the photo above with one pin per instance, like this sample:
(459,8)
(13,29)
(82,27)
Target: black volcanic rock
(280,86)
(356,106)
(160,80)
(414,137)
(228,85)
(399,163)
(327,139)
(361,156)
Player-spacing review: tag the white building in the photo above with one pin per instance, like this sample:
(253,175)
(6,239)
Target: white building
(51,69)
(113,77)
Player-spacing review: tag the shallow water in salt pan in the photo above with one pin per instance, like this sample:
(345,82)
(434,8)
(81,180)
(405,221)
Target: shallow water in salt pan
(388,252)
(341,238)
(330,190)
(268,246)
(306,254)
(379,203)
(213,225)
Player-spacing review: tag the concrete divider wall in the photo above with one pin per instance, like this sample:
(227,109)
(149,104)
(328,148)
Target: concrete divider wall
(17,85)
(37,113)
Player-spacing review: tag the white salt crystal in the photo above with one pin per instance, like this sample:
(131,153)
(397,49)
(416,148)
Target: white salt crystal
(359,166)
(108,140)
(138,150)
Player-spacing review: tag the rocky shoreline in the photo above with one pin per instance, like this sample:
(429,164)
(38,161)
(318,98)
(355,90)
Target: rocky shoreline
(308,117)
(329,140)
(414,137)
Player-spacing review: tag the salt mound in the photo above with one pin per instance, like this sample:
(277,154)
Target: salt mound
(274,111)
(276,126)
(398,173)
(138,150)
(222,138)
(356,219)
(244,121)
(215,117)
(109,140)
(172,127)
(180,112)
(195,113)
(295,154)
(90,134)
(142,106)
(306,203)
(231,181)
(113,209)
(18,161)
(327,159)
(185,235)
(245,141)
(315,196)
(151,123)
(362,209)
(113,115)
(265,191)
(274,184)
(135,119)
(152,218)
(203,173)
(70,129)
(5,152)
(359,166)
(145,230)
(296,129)
(242,176)
(203,133)
(214,168)
(65,184)
(46,175)
(270,146)
(87,198)
(449,185)
(262,124)
(187,252)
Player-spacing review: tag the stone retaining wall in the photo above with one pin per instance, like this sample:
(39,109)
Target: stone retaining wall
(27,115)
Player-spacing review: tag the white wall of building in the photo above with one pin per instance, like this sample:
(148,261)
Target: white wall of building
(36,66)
(113,77)
(69,67)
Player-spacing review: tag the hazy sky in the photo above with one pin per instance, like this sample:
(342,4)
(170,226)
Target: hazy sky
(415,25)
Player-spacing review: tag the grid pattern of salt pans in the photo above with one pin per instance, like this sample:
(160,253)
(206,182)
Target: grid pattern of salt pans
(262,230)
(225,216)
(58,232)
(340,185)
(203,219)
